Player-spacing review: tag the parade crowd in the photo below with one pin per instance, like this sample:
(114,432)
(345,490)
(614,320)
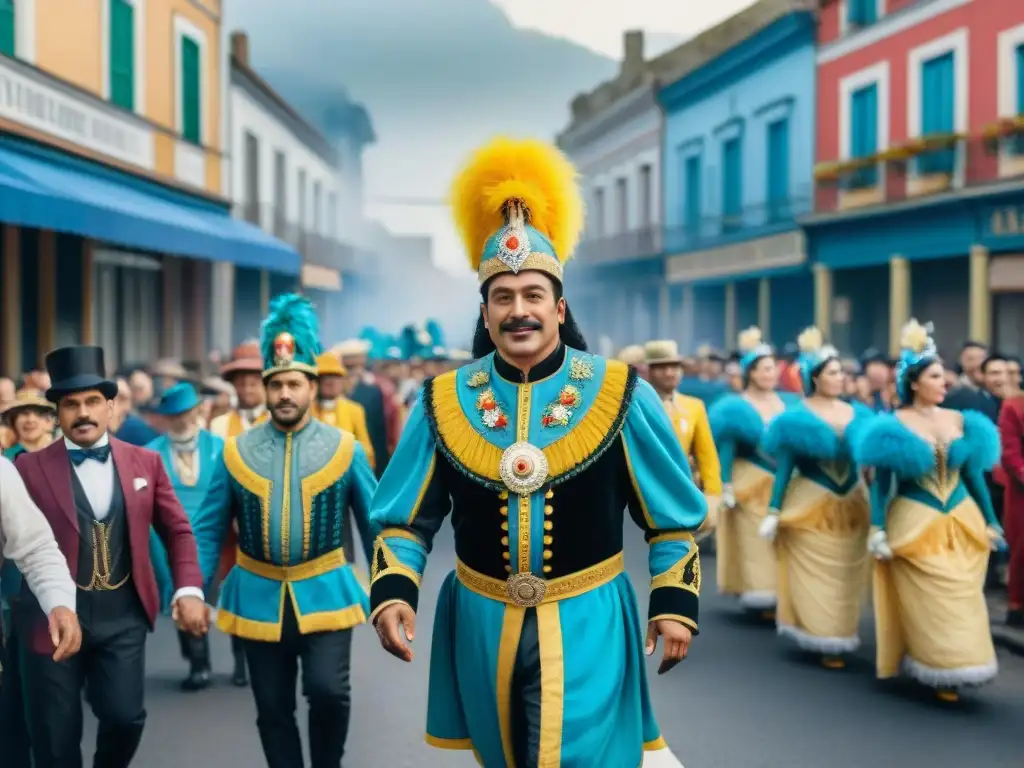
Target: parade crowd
(161,489)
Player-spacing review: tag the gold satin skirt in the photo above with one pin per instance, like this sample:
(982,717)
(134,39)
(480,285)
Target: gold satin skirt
(824,566)
(746,563)
(930,612)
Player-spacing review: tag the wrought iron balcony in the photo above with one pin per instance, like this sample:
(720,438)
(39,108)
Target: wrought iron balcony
(921,169)
(625,246)
(752,221)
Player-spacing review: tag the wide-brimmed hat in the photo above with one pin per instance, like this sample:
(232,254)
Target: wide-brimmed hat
(179,399)
(25,400)
(328,364)
(77,369)
(351,348)
(632,354)
(662,352)
(244,359)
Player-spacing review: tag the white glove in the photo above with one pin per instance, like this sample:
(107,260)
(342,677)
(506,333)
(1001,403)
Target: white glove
(728,498)
(878,545)
(769,526)
(996,538)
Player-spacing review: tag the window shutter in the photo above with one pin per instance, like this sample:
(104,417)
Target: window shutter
(122,54)
(7,27)
(693,201)
(1020,80)
(190,91)
(938,111)
(864,132)
(732,184)
(778,168)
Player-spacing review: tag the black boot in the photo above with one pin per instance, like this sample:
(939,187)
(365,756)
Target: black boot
(239,677)
(198,649)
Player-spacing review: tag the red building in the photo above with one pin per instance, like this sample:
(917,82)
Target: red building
(919,186)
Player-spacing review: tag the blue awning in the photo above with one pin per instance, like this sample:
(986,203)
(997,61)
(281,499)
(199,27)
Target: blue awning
(44,189)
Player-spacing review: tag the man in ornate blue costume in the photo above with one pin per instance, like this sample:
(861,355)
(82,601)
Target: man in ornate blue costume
(292,596)
(536,449)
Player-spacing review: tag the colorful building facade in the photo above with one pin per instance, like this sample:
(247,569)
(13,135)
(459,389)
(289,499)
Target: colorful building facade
(737,173)
(919,186)
(113,180)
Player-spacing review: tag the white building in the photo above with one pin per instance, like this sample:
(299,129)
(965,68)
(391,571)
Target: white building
(615,138)
(298,184)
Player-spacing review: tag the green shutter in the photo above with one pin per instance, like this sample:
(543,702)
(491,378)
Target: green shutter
(122,54)
(191,113)
(7,27)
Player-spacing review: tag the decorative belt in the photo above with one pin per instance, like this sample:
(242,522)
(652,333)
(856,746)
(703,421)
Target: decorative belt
(528,591)
(298,572)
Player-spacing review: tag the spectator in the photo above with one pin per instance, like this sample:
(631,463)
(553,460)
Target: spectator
(972,355)
(877,370)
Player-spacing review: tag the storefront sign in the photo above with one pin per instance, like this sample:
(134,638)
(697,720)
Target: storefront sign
(31,99)
(1007,221)
(766,253)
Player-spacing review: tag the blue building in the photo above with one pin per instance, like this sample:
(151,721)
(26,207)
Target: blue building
(738,161)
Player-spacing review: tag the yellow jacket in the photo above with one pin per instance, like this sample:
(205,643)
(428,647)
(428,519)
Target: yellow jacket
(351,417)
(689,419)
(230,424)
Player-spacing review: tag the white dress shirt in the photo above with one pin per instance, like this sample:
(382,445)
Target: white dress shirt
(97,479)
(27,539)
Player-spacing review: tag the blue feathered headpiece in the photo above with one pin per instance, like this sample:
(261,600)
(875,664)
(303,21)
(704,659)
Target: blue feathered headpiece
(391,349)
(752,348)
(375,342)
(917,351)
(290,336)
(814,353)
(437,350)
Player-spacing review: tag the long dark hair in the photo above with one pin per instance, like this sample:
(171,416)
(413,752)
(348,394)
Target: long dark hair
(568,332)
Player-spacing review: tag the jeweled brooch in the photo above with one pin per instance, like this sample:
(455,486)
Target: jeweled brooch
(478,379)
(581,369)
(491,413)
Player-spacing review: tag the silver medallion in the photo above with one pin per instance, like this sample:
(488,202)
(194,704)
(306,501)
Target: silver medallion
(525,589)
(523,468)
(513,246)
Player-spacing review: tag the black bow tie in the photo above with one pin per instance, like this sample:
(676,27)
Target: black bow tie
(78,455)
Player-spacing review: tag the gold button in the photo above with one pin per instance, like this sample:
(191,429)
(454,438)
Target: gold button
(549,495)
(508,569)
(504,540)
(548,539)
(504,526)
(548,525)
(503,510)
(547,569)
(506,555)
(503,495)
(547,554)
(548,509)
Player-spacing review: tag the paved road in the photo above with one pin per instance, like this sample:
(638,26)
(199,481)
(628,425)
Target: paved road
(740,701)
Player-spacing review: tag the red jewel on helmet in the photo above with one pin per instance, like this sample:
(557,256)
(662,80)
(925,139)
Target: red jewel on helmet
(512,242)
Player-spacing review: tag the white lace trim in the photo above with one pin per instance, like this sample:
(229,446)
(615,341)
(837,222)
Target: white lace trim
(959,677)
(758,600)
(825,645)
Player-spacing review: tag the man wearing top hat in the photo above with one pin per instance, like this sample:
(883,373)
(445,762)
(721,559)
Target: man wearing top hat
(192,458)
(100,497)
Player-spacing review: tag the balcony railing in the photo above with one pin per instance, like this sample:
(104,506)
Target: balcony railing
(625,246)
(922,168)
(752,221)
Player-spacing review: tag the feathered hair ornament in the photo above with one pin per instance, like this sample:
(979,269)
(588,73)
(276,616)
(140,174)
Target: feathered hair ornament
(290,336)
(917,352)
(814,354)
(751,347)
(517,207)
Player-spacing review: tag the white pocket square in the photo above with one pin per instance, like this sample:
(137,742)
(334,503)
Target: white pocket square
(140,483)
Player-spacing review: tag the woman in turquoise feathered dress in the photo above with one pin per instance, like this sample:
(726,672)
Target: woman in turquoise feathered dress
(746,563)
(819,517)
(933,527)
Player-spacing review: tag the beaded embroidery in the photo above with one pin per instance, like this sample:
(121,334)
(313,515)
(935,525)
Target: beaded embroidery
(559,412)
(491,413)
(478,379)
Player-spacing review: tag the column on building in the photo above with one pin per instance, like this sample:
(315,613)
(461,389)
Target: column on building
(980,296)
(689,318)
(764,306)
(899,300)
(730,313)
(664,311)
(823,299)
(222,292)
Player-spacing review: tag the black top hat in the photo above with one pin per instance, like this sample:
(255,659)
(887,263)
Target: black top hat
(77,369)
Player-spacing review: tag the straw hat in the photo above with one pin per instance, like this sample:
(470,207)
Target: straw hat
(632,355)
(27,399)
(351,348)
(662,352)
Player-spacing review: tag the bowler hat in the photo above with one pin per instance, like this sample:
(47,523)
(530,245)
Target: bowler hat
(77,369)
(179,399)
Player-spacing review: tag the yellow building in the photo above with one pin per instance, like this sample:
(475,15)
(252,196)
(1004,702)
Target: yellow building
(113,184)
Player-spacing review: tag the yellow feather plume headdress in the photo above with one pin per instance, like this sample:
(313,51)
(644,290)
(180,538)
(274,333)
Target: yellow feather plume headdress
(814,353)
(917,338)
(517,207)
(752,347)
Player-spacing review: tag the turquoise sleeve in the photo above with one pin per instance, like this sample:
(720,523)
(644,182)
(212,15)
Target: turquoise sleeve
(881,491)
(726,455)
(784,466)
(211,521)
(974,479)
(364,484)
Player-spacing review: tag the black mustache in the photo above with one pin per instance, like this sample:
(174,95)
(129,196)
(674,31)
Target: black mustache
(83,423)
(520,325)
(283,403)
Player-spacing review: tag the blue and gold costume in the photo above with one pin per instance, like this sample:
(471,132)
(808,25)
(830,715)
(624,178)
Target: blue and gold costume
(820,507)
(536,471)
(289,492)
(746,563)
(933,527)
